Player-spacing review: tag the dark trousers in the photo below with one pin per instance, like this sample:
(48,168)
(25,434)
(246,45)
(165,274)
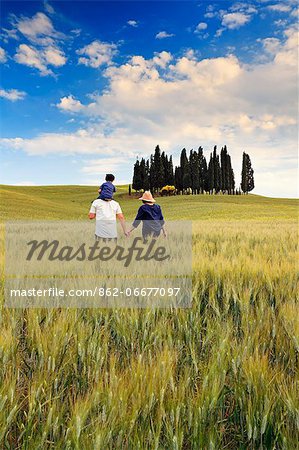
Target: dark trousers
(150,235)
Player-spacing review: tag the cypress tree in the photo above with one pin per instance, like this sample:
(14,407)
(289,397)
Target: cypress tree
(231,176)
(151,173)
(185,170)
(224,168)
(247,179)
(203,171)
(170,175)
(164,160)
(158,175)
(217,171)
(137,183)
(244,174)
(178,179)
(211,172)
(143,175)
(194,171)
(205,175)
(227,173)
(250,174)
(146,185)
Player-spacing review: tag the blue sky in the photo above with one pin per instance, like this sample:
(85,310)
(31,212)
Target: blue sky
(88,86)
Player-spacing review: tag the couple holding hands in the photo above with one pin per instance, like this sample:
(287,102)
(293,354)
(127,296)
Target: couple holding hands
(106,211)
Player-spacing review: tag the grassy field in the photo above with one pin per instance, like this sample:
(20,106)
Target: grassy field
(220,375)
(72,202)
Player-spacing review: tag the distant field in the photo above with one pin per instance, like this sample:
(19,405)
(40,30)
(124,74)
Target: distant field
(220,375)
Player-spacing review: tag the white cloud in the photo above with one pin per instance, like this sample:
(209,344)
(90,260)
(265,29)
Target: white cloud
(42,50)
(54,56)
(133,23)
(3,57)
(40,59)
(210,8)
(280,22)
(235,20)
(49,8)
(201,26)
(97,53)
(219,32)
(271,45)
(102,166)
(39,29)
(70,104)
(76,32)
(288,53)
(264,122)
(251,10)
(237,15)
(163,35)
(160,60)
(243,7)
(38,25)
(31,57)
(9,34)
(188,101)
(83,141)
(209,15)
(12,94)
(279,7)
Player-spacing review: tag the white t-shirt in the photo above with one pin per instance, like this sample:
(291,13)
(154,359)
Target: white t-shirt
(105,217)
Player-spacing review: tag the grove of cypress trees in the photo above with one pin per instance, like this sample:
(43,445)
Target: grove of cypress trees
(193,173)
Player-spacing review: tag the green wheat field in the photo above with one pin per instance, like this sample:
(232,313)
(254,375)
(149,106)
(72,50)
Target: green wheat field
(220,375)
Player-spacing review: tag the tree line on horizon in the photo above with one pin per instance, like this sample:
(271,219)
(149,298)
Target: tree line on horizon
(193,175)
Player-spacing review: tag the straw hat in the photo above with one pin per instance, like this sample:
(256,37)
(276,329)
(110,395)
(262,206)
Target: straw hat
(147,197)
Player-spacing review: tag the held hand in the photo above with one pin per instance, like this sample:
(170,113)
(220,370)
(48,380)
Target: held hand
(129,232)
(164,234)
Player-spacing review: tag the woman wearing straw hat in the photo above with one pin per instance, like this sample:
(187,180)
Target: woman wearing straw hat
(151,216)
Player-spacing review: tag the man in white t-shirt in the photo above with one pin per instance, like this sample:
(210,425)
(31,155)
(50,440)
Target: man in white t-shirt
(105,212)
